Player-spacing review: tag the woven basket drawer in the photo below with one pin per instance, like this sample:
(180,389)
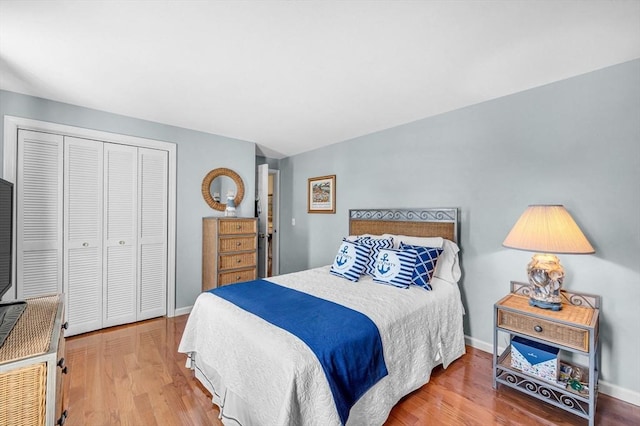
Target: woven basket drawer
(23,393)
(562,334)
(237,244)
(237,276)
(239,260)
(237,226)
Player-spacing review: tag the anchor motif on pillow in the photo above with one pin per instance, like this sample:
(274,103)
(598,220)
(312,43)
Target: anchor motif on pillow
(341,260)
(381,264)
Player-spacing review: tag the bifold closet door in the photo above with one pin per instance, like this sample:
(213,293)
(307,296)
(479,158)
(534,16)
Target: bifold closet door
(120,281)
(83,200)
(39,214)
(92,224)
(152,233)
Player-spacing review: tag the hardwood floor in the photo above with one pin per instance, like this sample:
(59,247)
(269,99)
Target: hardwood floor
(133,375)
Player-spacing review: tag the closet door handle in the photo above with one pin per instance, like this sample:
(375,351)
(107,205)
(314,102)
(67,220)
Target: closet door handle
(85,244)
(121,243)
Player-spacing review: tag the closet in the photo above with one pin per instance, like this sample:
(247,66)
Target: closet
(92,224)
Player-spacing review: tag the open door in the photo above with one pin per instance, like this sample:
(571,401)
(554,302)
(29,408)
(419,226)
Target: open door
(267,211)
(262,210)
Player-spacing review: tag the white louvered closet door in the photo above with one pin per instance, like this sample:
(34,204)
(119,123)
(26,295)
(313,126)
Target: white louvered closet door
(39,214)
(83,200)
(152,233)
(120,234)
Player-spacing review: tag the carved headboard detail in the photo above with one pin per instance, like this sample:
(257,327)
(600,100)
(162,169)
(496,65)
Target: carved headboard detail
(427,222)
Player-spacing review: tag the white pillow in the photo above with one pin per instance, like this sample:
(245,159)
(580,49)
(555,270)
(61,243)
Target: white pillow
(355,237)
(448,266)
(435,242)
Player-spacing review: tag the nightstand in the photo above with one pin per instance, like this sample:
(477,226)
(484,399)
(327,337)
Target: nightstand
(573,329)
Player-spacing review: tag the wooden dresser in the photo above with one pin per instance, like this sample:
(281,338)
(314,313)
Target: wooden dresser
(229,250)
(32,366)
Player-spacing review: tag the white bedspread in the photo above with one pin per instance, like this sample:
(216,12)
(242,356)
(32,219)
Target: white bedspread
(263,375)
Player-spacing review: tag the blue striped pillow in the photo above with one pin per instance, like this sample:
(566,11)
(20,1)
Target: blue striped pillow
(350,260)
(426,260)
(374,245)
(395,267)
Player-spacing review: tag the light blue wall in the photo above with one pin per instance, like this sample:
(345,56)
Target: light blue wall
(575,142)
(197,154)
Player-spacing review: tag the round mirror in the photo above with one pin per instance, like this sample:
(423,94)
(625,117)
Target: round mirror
(218,183)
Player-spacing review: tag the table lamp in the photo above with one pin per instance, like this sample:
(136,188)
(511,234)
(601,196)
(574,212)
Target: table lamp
(547,229)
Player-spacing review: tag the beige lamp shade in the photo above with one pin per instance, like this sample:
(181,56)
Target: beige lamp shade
(548,229)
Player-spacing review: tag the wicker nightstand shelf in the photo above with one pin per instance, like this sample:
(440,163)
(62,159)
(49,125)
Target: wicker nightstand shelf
(573,329)
(32,365)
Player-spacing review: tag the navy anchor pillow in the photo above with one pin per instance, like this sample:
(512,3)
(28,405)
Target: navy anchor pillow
(374,245)
(350,260)
(394,267)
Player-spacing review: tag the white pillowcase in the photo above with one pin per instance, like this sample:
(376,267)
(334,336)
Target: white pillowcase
(448,266)
(435,242)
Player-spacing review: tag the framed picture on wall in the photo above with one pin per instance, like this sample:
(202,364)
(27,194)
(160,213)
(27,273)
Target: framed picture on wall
(321,194)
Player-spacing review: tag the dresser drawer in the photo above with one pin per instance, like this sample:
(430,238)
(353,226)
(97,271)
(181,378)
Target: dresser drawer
(562,334)
(239,260)
(237,226)
(231,244)
(237,276)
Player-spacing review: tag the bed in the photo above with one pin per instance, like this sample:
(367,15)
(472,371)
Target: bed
(260,374)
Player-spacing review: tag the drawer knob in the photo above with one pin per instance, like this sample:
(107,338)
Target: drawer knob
(238,243)
(63,418)
(238,278)
(61,364)
(239,227)
(239,260)
(538,328)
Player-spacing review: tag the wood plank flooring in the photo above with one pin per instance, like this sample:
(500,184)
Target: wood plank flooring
(133,375)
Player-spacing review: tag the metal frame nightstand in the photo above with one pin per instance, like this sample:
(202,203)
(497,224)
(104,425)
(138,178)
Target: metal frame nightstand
(572,329)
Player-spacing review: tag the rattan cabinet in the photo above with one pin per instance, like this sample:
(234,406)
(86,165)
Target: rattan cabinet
(229,250)
(32,366)
(573,329)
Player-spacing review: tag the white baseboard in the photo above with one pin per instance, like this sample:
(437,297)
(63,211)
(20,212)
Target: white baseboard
(623,394)
(620,393)
(183,311)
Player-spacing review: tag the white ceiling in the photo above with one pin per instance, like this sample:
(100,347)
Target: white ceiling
(293,76)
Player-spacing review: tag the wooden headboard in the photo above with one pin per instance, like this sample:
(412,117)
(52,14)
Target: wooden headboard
(432,222)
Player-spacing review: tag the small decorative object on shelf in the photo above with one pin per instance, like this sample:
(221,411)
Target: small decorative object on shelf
(535,358)
(547,229)
(549,335)
(230,210)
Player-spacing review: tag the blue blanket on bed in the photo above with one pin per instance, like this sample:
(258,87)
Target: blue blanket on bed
(346,342)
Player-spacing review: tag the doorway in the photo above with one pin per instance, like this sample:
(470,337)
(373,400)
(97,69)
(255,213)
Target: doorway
(267,208)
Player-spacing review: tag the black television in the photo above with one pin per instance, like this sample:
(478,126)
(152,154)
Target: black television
(6,233)
(10,311)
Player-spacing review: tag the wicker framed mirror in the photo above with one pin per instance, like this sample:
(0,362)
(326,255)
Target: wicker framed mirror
(217,183)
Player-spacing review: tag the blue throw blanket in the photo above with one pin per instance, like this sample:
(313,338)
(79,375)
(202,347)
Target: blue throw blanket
(346,342)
